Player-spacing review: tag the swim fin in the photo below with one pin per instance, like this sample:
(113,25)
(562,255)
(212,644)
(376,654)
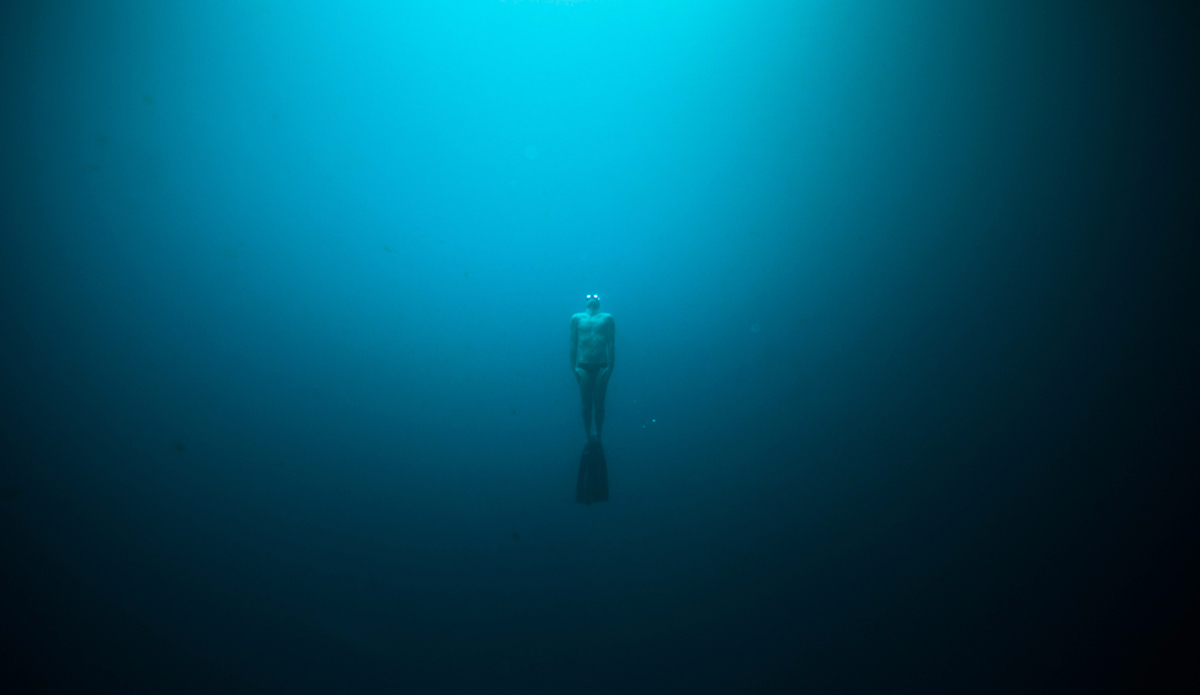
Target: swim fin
(593,475)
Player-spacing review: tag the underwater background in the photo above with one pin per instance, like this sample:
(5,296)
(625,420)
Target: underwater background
(905,397)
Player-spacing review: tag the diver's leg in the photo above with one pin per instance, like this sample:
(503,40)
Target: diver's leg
(600,390)
(587,384)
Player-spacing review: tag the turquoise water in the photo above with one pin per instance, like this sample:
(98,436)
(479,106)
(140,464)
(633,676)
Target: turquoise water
(904,319)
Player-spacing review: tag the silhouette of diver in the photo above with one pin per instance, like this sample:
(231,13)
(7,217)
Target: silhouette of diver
(593,354)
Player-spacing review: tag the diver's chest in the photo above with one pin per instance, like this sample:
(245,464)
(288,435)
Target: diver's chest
(591,329)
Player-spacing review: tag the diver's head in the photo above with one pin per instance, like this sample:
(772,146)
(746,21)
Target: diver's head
(593,302)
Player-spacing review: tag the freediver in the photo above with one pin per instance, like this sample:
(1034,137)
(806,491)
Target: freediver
(593,353)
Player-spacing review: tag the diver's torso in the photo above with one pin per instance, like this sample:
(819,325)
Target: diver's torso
(593,339)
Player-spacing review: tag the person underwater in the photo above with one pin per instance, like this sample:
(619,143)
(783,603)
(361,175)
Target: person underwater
(593,354)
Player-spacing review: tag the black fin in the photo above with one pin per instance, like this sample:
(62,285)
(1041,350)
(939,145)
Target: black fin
(592,485)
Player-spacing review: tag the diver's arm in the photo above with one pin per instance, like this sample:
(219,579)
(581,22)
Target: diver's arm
(612,343)
(574,339)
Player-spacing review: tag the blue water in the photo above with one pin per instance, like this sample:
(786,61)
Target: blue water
(905,390)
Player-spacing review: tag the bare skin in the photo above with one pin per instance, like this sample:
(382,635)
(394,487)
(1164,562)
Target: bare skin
(593,353)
